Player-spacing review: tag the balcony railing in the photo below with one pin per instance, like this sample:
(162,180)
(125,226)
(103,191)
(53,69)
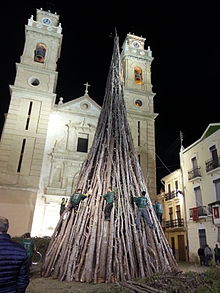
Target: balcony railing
(172,194)
(197,212)
(175,223)
(215,211)
(212,164)
(217,202)
(194,173)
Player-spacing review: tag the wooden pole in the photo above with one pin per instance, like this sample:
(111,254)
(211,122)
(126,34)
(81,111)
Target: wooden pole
(85,247)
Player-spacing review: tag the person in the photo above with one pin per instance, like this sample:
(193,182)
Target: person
(208,254)
(201,255)
(14,275)
(28,243)
(217,254)
(109,198)
(76,198)
(159,210)
(142,203)
(63,205)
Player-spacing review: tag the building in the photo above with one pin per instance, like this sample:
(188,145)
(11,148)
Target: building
(43,144)
(191,197)
(174,224)
(200,164)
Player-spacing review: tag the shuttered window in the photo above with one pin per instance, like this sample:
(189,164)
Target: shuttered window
(198,196)
(217,188)
(202,238)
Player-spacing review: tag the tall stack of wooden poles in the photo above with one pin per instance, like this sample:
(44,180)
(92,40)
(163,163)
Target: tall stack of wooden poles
(85,247)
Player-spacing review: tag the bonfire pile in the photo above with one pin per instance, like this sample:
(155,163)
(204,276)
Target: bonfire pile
(85,247)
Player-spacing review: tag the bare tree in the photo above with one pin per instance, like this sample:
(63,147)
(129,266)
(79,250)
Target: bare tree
(85,247)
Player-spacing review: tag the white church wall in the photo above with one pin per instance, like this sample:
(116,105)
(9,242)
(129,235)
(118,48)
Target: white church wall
(62,161)
(64,126)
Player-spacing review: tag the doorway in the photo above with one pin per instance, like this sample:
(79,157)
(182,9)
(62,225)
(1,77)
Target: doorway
(173,246)
(181,248)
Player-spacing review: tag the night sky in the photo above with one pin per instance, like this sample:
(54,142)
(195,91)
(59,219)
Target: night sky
(185,43)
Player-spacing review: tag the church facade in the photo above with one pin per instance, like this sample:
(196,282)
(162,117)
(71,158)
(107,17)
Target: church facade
(43,144)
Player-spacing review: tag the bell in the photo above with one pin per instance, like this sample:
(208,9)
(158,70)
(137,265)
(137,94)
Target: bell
(40,53)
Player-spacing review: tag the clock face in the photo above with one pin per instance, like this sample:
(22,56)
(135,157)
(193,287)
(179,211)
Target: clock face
(135,44)
(46,21)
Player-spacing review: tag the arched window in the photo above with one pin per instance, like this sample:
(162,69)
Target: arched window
(138,75)
(39,53)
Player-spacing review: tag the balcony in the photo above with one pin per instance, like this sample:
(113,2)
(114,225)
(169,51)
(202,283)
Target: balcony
(215,211)
(198,213)
(194,174)
(174,223)
(172,194)
(213,164)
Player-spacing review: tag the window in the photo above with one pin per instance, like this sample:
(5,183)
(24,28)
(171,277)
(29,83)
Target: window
(138,75)
(39,53)
(171,213)
(178,216)
(138,103)
(21,155)
(217,188)
(216,212)
(194,163)
(178,212)
(139,130)
(34,81)
(139,158)
(29,115)
(195,169)
(82,144)
(202,238)
(218,237)
(176,185)
(169,188)
(173,246)
(214,153)
(198,196)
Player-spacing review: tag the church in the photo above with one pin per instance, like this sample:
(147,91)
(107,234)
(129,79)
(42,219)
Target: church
(44,143)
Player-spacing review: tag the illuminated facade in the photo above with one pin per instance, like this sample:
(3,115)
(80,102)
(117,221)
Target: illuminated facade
(191,200)
(43,144)
(200,163)
(174,224)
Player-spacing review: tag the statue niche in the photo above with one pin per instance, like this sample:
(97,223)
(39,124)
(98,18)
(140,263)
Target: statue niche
(57,176)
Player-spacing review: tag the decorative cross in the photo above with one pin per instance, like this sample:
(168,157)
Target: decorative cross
(87,85)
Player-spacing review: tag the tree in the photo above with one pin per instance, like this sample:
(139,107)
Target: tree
(85,247)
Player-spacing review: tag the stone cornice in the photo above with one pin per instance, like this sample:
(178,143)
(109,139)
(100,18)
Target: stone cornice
(142,114)
(36,69)
(133,55)
(86,115)
(17,187)
(35,93)
(69,156)
(77,100)
(81,125)
(138,92)
(44,32)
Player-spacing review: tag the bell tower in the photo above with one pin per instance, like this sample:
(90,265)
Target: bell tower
(138,95)
(32,98)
